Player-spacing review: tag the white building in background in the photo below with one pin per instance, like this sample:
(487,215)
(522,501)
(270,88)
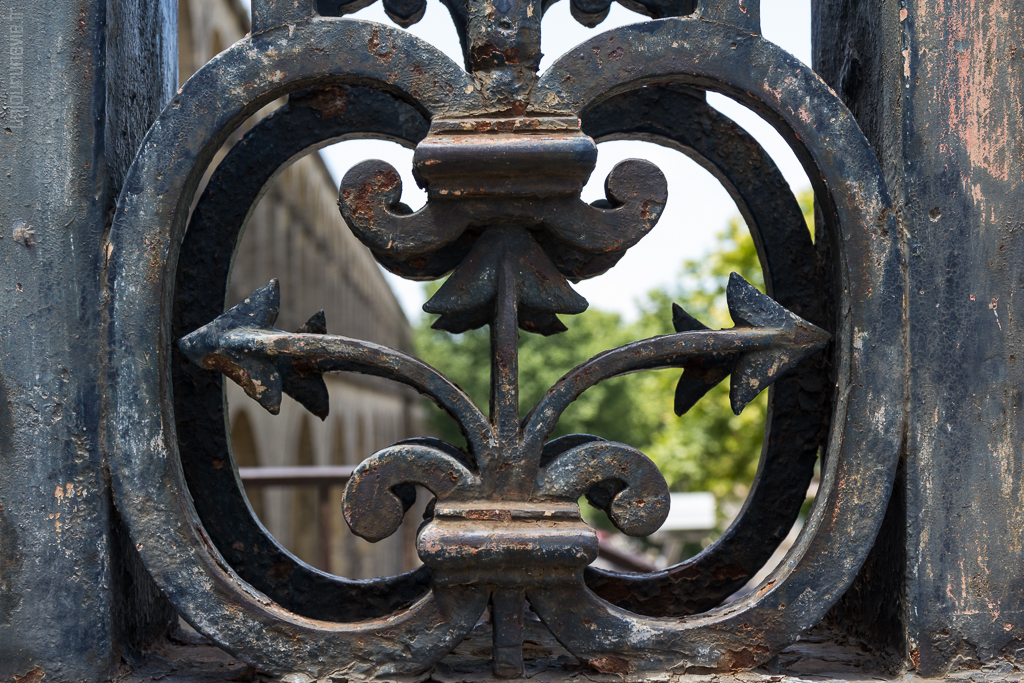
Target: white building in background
(297,235)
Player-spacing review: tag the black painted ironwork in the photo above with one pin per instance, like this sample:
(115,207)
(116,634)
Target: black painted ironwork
(503,153)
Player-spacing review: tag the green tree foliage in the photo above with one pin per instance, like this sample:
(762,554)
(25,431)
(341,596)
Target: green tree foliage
(708,449)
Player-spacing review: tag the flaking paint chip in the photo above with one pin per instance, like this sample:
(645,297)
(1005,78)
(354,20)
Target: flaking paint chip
(23,234)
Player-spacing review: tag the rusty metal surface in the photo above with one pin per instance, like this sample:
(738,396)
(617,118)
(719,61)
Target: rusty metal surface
(180,556)
(187,657)
(320,476)
(482,533)
(502,162)
(537,171)
(676,117)
(938,91)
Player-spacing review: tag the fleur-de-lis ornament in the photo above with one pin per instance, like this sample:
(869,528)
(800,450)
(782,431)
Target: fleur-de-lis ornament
(503,153)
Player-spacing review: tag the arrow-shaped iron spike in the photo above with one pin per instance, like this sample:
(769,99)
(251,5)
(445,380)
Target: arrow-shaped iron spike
(755,370)
(261,377)
(767,341)
(701,373)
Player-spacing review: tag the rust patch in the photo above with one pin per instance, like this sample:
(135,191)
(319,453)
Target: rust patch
(33,676)
(730,572)
(489,53)
(747,658)
(362,201)
(611,665)
(492,515)
(221,364)
(330,102)
(156,260)
(374,47)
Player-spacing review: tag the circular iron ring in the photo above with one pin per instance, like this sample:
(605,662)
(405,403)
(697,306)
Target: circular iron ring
(317,118)
(858,473)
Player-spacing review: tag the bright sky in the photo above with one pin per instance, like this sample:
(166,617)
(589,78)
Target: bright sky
(697,207)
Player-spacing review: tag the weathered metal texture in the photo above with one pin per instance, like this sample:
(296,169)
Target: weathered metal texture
(267,15)
(680,118)
(505,528)
(948,79)
(792,98)
(309,120)
(74,597)
(743,14)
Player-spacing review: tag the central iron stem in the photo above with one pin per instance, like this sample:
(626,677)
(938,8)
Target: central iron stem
(506,474)
(505,477)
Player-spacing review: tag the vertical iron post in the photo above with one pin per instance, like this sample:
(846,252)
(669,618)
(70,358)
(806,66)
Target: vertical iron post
(80,82)
(937,89)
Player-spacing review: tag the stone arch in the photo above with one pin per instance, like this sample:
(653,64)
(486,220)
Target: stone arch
(304,517)
(243,446)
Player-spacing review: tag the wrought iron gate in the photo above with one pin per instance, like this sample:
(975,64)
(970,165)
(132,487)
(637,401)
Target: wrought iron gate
(503,153)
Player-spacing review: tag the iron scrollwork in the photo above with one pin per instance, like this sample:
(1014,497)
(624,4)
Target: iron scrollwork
(503,153)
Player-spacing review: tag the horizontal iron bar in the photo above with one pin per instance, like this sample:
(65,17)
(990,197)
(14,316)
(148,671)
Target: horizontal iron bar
(308,475)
